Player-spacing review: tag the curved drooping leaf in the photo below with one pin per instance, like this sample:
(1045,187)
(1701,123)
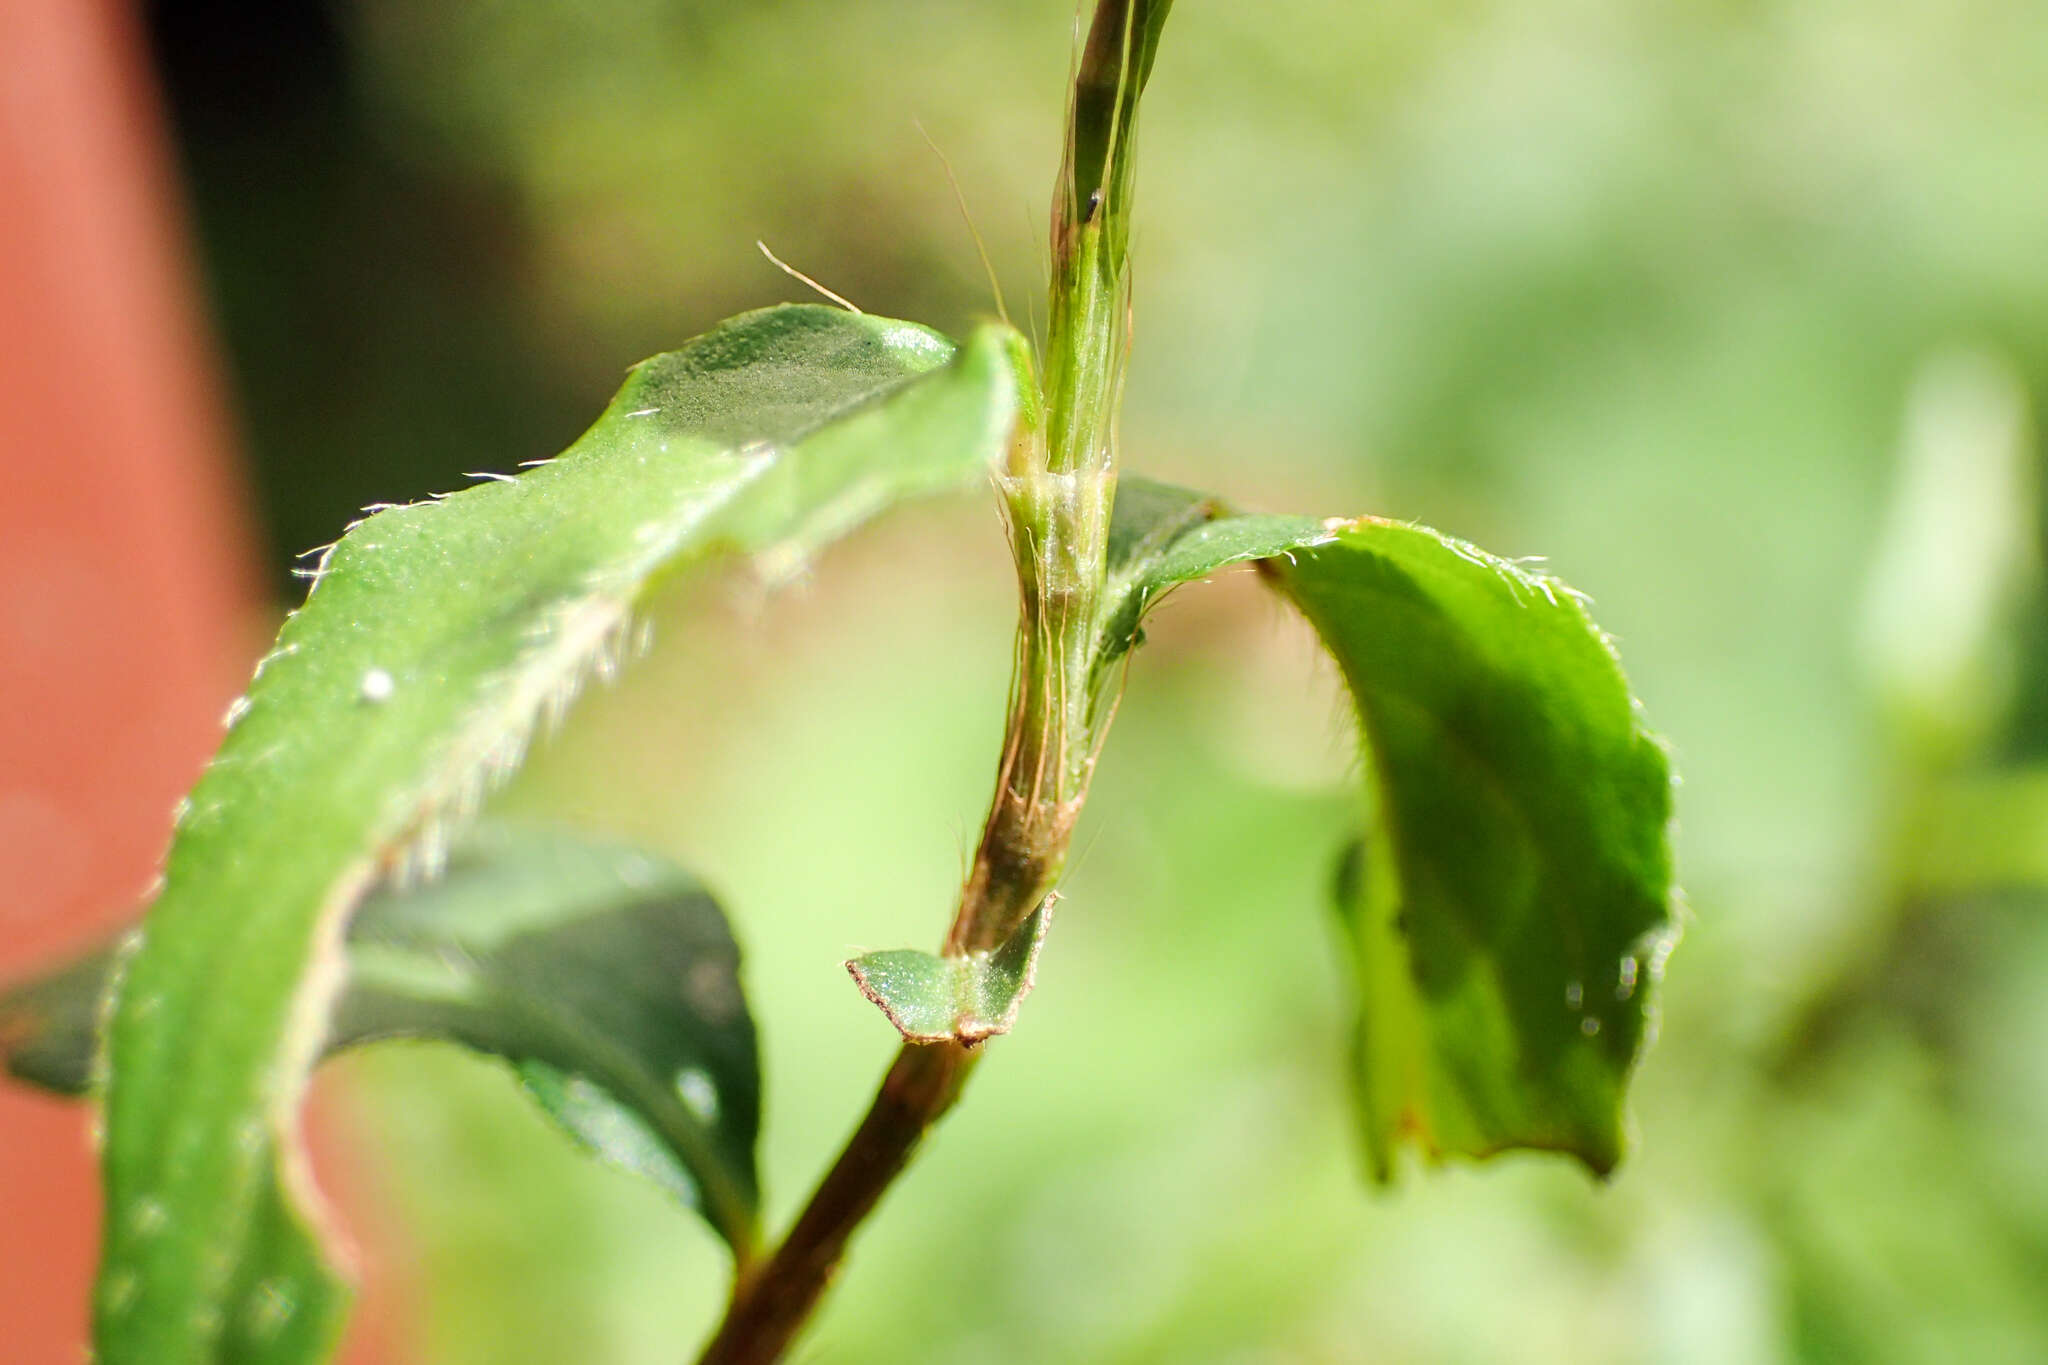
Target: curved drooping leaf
(436,638)
(1512,908)
(969,999)
(605,975)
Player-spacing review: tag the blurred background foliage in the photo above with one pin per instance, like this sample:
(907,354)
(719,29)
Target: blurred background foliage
(1670,293)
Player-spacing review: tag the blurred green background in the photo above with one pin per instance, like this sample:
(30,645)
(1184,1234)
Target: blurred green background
(1662,291)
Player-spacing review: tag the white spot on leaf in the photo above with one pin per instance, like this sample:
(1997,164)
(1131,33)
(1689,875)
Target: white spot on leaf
(270,1308)
(117,1295)
(697,1092)
(148,1217)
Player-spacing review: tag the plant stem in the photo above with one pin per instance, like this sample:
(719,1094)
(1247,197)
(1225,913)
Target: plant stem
(774,1297)
(771,1304)
(1057,487)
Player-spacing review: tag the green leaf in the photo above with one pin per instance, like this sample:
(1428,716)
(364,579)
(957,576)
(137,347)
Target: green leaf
(970,998)
(1512,907)
(605,975)
(436,639)
(608,978)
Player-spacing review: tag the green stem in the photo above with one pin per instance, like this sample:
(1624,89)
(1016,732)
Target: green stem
(1060,484)
(1057,487)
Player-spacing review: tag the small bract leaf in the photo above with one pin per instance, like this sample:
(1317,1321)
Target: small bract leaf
(605,975)
(967,999)
(1512,907)
(437,638)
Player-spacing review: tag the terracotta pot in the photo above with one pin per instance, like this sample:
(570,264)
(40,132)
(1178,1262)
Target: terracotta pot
(127,612)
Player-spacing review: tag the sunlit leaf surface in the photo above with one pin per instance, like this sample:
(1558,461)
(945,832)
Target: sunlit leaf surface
(436,639)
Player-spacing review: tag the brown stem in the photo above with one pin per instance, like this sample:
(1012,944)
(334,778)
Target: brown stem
(771,1304)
